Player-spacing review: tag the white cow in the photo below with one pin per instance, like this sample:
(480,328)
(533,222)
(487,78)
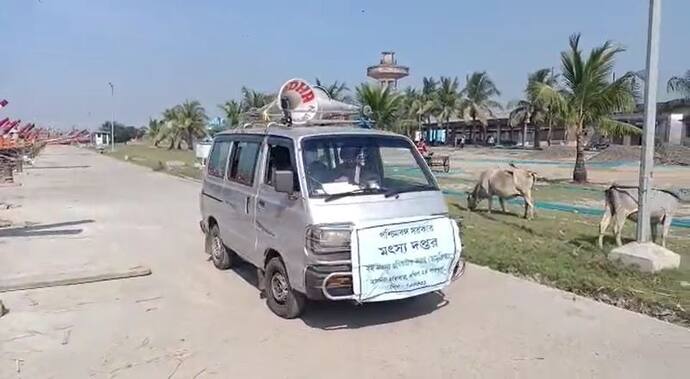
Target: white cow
(621,204)
(506,184)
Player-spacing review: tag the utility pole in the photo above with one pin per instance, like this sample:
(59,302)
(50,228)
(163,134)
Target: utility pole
(112,117)
(647,158)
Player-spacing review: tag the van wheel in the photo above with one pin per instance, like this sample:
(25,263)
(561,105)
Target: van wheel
(280,297)
(220,255)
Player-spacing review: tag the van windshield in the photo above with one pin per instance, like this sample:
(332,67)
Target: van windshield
(350,165)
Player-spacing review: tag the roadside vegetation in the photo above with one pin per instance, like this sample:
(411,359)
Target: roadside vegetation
(559,249)
(173,161)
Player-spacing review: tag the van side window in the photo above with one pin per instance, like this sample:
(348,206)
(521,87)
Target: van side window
(243,162)
(279,158)
(218,159)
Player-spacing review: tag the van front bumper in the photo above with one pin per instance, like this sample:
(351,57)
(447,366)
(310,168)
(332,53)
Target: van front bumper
(459,269)
(334,282)
(339,282)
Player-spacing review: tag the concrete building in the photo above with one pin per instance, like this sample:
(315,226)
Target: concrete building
(673,128)
(100,138)
(388,72)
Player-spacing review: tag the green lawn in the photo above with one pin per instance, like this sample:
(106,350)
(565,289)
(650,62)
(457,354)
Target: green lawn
(559,249)
(156,158)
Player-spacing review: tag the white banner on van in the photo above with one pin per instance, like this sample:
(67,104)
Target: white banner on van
(404,258)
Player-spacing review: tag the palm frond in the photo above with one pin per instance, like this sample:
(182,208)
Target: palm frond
(614,128)
(680,84)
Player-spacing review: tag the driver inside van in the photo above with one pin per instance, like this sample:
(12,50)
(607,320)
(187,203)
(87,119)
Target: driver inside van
(317,171)
(349,168)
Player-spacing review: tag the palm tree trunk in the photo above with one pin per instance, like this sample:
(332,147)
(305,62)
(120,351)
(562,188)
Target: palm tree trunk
(454,134)
(172,143)
(537,136)
(524,134)
(448,136)
(580,171)
(548,134)
(498,133)
(190,140)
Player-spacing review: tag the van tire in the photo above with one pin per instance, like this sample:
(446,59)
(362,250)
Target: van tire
(221,256)
(280,297)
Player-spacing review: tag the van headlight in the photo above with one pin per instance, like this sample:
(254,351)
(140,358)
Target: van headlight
(328,238)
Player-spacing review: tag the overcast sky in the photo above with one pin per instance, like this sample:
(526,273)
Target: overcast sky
(59,55)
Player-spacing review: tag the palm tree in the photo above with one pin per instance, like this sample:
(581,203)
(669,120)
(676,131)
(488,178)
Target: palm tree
(531,110)
(232,111)
(253,99)
(384,102)
(337,91)
(154,130)
(477,100)
(192,119)
(680,84)
(587,97)
(409,106)
(429,98)
(448,103)
(523,113)
(170,128)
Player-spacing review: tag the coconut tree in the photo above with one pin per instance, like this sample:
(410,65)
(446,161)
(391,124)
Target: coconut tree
(337,91)
(447,103)
(409,110)
(680,84)
(153,131)
(232,111)
(531,110)
(429,98)
(588,96)
(170,129)
(384,102)
(192,119)
(253,99)
(478,102)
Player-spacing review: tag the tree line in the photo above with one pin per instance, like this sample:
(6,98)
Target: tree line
(580,96)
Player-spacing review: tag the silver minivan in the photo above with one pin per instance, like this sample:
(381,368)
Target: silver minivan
(328,213)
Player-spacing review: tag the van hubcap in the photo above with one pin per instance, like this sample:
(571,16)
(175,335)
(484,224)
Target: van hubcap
(279,287)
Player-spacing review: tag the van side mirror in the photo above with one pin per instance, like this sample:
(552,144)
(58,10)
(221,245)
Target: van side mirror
(283,180)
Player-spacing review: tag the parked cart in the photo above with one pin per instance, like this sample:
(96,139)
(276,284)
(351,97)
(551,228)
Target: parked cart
(438,162)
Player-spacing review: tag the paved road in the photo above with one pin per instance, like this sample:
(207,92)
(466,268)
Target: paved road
(189,318)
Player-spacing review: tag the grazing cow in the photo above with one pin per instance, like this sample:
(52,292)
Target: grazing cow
(506,184)
(621,204)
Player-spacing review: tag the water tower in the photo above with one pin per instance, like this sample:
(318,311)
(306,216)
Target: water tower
(388,72)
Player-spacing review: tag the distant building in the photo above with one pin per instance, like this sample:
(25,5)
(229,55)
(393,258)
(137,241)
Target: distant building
(672,123)
(388,72)
(673,128)
(100,138)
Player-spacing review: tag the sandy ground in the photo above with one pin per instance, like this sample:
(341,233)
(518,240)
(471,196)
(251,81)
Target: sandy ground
(472,161)
(190,320)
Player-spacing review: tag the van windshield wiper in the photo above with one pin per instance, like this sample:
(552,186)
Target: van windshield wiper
(412,188)
(360,191)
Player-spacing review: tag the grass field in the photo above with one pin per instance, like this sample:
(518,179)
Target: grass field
(559,249)
(156,158)
(556,248)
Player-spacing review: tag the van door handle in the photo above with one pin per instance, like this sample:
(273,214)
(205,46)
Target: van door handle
(246,205)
